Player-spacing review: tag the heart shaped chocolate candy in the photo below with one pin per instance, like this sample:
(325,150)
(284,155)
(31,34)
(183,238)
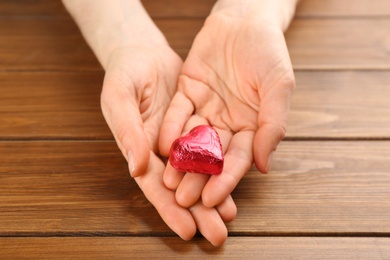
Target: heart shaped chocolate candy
(200,151)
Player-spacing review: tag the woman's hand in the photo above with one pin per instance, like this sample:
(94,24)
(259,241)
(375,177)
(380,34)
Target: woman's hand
(237,78)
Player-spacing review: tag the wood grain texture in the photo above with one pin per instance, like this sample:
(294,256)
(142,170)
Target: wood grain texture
(306,8)
(319,187)
(183,8)
(70,188)
(38,8)
(43,44)
(313,43)
(73,188)
(343,8)
(57,44)
(340,104)
(235,248)
(201,8)
(339,43)
(325,104)
(52,106)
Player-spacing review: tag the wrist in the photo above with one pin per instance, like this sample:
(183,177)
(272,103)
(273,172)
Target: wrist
(110,25)
(274,12)
(124,34)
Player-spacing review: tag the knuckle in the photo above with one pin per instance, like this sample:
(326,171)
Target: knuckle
(288,80)
(122,134)
(282,130)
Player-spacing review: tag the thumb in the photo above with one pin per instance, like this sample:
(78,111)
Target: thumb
(121,111)
(272,122)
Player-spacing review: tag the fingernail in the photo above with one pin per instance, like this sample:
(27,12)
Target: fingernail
(269,163)
(131,162)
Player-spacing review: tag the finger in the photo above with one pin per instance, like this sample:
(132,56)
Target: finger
(190,188)
(209,223)
(272,121)
(177,115)
(172,177)
(238,160)
(121,112)
(227,209)
(177,218)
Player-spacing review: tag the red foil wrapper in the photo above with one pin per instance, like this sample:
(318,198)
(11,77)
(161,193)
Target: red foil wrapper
(200,151)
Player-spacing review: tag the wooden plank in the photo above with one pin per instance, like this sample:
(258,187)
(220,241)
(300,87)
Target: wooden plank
(319,187)
(343,8)
(234,248)
(325,104)
(313,43)
(41,44)
(52,106)
(83,188)
(70,188)
(52,191)
(183,8)
(201,8)
(339,43)
(46,52)
(31,7)
(306,8)
(58,44)
(157,9)
(340,104)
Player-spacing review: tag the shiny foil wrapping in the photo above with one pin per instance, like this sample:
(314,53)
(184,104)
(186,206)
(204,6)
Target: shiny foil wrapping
(200,151)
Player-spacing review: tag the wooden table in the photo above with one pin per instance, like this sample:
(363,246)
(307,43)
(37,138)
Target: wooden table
(65,190)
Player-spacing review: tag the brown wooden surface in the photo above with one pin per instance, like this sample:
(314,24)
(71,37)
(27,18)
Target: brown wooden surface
(340,104)
(346,112)
(235,248)
(314,188)
(65,190)
(68,106)
(187,8)
(314,43)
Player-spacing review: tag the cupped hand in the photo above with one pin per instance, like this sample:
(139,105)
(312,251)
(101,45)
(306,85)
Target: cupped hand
(139,83)
(237,78)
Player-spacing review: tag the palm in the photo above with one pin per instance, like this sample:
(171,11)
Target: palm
(233,79)
(139,84)
(232,66)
